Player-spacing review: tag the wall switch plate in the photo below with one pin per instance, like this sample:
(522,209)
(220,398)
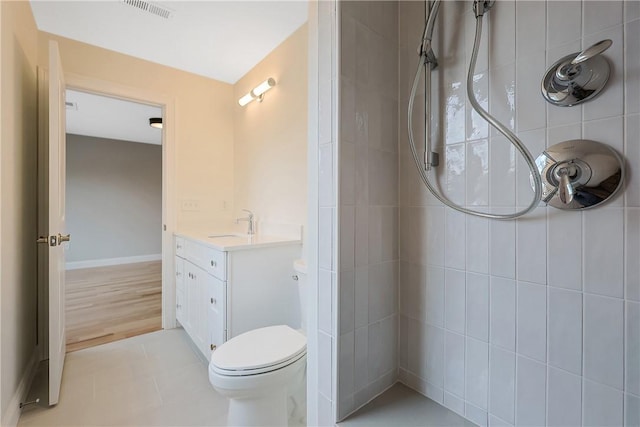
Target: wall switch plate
(190,205)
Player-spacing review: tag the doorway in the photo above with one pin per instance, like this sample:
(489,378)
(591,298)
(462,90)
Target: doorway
(114,212)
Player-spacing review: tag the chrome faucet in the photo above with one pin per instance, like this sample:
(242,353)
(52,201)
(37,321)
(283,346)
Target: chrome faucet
(249,219)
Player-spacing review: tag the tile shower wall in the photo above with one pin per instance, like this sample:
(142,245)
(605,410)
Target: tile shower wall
(368,202)
(534,321)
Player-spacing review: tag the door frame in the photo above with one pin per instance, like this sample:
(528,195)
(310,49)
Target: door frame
(167,103)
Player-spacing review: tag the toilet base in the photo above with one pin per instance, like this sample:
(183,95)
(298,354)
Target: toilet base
(266,410)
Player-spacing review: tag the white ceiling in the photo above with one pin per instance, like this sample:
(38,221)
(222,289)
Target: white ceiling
(104,117)
(222,40)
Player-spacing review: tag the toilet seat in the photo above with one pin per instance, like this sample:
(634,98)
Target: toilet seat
(259,351)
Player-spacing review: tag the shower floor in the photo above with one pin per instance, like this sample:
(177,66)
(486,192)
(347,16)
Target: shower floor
(401,406)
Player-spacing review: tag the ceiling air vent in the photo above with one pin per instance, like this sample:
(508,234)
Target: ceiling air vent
(146,6)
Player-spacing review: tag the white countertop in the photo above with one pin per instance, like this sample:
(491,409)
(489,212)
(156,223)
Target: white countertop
(233,241)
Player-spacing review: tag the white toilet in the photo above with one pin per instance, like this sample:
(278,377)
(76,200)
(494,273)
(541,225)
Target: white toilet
(263,371)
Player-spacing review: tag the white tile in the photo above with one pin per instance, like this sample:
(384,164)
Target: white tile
(502,384)
(632,153)
(435,296)
(346,365)
(564,403)
(434,342)
(632,348)
(476,373)
(564,249)
(631,411)
(502,88)
(324,110)
(416,341)
(347,162)
(454,249)
(383,290)
(476,415)
(497,422)
(455,172)
(477,127)
(503,172)
(361,346)
(502,236)
(434,235)
(532,321)
(383,177)
(348,48)
(454,363)
(530,28)
(532,248)
(375,234)
(602,405)
(361,311)
(603,340)
(610,101)
(347,237)
(530,106)
(325,176)
(632,254)
(503,313)
(565,330)
(454,297)
(530,393)
(564,22)
(483,50)
(603,253)
(389,233)
(403,343)
(535,141)
(325,355)
(632,64)
(388,354)
(454,403)
(362,166)
(631,10)
(347,110)
(361,249)
(608,131)
(501,39)
(434,393)
(347,301)
(326,411)
(599,15)
(477,173)
(477,311)
(325,299)
(477,246)
(325,238)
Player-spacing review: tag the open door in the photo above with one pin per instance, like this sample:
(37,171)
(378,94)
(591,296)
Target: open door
(51,168)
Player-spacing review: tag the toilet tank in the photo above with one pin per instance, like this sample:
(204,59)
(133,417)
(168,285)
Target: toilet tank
(300,272)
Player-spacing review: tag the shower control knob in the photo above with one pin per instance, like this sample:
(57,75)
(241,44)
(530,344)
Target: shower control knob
(565,188)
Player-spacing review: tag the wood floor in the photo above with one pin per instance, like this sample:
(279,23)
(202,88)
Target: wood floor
(107,304)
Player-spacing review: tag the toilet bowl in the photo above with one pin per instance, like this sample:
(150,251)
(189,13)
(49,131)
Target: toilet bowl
(263,373)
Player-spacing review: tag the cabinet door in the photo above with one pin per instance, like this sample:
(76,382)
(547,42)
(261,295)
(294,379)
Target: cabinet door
(180,300)
(216,313)
(195,295)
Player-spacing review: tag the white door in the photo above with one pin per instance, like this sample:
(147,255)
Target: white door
(52,194)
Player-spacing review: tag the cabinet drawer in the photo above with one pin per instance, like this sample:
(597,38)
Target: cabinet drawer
(179,246)
(215,263)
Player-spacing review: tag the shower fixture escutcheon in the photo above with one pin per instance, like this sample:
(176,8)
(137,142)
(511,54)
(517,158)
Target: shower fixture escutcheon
(579,174)
(577,77)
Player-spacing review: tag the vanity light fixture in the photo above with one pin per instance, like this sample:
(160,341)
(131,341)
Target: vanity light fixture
(257,92)
(155,122)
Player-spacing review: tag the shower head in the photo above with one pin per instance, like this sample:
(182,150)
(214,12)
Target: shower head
(482,6)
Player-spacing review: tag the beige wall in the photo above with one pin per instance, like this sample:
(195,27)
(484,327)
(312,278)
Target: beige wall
(18,86)
(271,136)
(114,196)
(204,120)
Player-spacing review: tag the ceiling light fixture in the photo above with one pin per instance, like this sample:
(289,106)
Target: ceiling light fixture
(155,122)
(257,92)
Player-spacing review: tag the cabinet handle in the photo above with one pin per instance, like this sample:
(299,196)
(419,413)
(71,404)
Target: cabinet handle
(213,347)
(213,301)
(214,264)
(179,246)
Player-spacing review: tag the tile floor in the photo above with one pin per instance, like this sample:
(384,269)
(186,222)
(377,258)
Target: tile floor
(155,379)
(158,379)
(401,406)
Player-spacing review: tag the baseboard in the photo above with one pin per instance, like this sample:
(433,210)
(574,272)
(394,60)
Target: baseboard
(12,414)
(92,263)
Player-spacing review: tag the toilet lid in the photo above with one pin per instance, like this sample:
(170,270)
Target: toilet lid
(259,349)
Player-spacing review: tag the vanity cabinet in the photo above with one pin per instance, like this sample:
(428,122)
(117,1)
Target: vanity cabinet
(223,292)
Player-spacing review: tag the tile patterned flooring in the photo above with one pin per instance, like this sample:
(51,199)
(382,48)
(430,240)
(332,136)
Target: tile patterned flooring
(155,379)
(158,379)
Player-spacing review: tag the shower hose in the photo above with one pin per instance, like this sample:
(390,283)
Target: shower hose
(427,57)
